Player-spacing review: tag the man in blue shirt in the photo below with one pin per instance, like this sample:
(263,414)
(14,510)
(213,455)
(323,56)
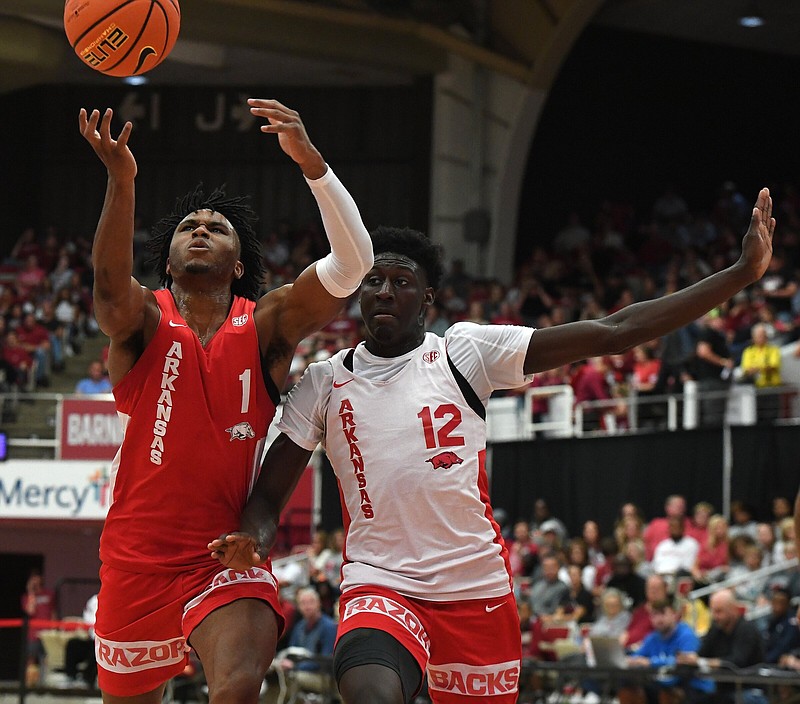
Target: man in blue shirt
(659,649)
(96,383)
(315,633)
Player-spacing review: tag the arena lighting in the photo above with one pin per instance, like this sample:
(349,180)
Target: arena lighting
(751,17)
(136,80)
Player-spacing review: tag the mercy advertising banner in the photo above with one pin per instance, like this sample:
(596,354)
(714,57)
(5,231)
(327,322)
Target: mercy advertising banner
(54,490)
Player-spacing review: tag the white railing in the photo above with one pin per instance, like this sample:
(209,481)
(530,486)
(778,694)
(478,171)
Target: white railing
(510,418)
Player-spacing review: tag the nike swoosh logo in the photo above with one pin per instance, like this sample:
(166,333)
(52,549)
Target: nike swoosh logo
(489,609)
(340,385)
(176,325)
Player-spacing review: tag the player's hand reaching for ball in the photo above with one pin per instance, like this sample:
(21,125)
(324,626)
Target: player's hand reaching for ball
(238,551)
(114,153)
(292,136)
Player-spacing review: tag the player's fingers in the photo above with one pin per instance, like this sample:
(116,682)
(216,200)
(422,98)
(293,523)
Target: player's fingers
(276,114)
(91,125)
(271,104)
(122,140)
(83,120)
(105,125)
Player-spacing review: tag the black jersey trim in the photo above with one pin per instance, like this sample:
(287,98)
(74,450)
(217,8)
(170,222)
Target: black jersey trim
(347,362)
(272,389)
(469,393)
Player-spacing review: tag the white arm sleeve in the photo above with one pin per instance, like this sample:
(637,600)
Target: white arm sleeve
(350,259)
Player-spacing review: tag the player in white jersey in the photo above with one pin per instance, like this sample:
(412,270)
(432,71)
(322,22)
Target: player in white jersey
(426,585)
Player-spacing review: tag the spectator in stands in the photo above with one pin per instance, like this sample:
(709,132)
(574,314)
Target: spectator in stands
(634,551)
(781,510)
(541,514)
(18,361)
(35,338)
(589,383)
(615,616)
(761,366)
(714,555)
(526,627)
(548,592)
(315,632)
(732,640)
(677,554)
(656,590)
(96,381)
(749,590)
(781,634)
(660,648)
(578,555)
(80,665)
(779,286)
(765,539)
(591,536)
(333,565)
(698,524)
(630,529)
(658,528)
(712,367)
(30,278)
(579,605)
(38,602)
(522,551)
(742,521)
(626,580)
(436,321)
(25,246)
(785,533)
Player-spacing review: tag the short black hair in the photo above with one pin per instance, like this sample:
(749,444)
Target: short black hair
(413,244)
(238,212)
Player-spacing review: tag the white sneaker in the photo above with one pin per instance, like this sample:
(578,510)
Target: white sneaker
(591,698)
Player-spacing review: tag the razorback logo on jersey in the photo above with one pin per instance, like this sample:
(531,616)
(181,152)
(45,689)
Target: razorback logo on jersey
(240,320)
(430,357)
(136,656)
(445,460)
(473,680)
(241,431)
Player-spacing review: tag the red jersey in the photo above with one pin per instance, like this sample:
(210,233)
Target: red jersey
(194,424)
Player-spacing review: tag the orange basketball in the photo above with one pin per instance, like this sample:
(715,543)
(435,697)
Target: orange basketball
(122,37)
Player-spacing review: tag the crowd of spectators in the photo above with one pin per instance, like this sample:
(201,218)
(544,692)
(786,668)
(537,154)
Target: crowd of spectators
(587,270)
(45,307)
(635,585)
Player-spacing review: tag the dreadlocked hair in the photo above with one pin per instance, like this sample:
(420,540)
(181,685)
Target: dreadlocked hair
(238,212)
(413,244)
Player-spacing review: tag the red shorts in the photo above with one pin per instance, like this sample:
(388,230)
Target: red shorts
(471,649)
(144,620)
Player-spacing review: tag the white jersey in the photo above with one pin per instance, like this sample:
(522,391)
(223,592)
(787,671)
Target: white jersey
(408,451)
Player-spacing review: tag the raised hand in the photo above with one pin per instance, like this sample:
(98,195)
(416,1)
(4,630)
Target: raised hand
(238,551)
(292,136)
(757,242)
(114,153)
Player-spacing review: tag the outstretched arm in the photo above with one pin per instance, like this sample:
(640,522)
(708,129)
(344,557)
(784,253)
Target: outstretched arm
(281,469)
(640,322)
(119,300)
(317,294)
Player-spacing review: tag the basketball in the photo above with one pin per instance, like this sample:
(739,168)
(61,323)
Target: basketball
(122,37)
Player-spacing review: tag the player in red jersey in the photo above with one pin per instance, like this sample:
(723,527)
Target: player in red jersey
(426,584)
(196,369)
